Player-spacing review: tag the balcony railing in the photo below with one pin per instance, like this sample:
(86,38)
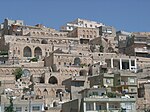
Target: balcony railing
(110,99)
(143,50)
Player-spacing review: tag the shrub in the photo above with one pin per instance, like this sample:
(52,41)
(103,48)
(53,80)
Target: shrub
(33,60)
(18,73)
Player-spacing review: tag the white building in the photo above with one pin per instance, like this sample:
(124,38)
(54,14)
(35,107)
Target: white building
(80,23)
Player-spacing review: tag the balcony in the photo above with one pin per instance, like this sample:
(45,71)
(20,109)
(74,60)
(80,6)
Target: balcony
(127,83)
(141,50)
(96,99)
(110,110)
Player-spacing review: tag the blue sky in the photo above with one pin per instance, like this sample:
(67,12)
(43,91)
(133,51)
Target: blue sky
(128,15)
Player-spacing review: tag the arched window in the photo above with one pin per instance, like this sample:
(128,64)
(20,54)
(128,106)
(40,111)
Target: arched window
(27,52)
(56,35)
(33,41)
(53,80)
(77,61)
(37,52)
(45,92)
(44,42)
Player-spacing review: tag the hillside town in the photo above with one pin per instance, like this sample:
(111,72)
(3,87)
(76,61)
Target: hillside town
(86,66)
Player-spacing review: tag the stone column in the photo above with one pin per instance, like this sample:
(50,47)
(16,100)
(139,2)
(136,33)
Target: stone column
(84,106)
(112,63)
(120,64)
(135,65)
(94,105)
(107,106)
(130,64)
(32,51)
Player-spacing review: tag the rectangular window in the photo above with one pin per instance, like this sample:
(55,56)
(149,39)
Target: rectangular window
(18,109)
(89,106)
(132,80)
(132,63)
(36,108)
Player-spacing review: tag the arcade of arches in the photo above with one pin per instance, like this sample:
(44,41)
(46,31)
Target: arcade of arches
(27,52)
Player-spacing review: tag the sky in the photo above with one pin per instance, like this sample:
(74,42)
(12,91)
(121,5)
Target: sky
(127,15)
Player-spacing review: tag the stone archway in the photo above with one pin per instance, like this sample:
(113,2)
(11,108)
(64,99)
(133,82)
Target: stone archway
(37,52)
(27,52)
(53,80)
(45,92)
(77,61)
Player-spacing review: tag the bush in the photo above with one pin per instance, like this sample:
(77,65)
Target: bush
(33,60)
(18,73)
(111,95)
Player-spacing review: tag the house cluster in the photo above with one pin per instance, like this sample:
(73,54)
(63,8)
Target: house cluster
(85,66)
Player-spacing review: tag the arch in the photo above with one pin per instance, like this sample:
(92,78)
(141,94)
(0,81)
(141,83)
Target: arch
(37,52)
(53,80)
(23,40)
(83,73)
(56,35)
(44,41)
(52,92)
(37,41)
(18,40)
(45,92)
(33,41)
(27,52)
(77,61)
(38,92)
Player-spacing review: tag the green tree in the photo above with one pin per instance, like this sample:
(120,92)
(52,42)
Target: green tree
(10,108)
(33,60)
(18,73)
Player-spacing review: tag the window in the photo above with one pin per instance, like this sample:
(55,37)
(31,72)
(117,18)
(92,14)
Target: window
(70,27)
(89,106)
(95,93)
(132,63)
(18,52)
(91,26)
(14,52)
(59,63)
(132,80)
(85,25)
(36,108)
(18,109)
(108,81)
(46,53)
(132,90)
